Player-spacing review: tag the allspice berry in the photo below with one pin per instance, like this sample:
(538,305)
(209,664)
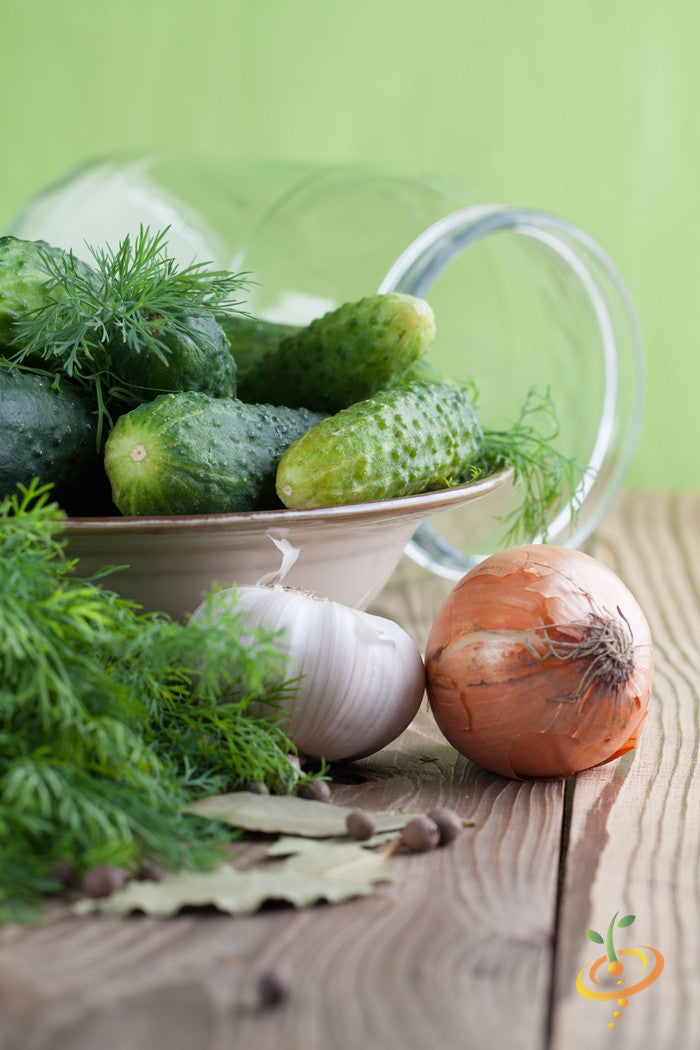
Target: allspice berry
(102,880)
(272,988)
(317,790)
(420,834)
(151,872)
(360,824)
(449,823)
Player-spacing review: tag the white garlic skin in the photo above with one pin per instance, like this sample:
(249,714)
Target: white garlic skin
(362,677)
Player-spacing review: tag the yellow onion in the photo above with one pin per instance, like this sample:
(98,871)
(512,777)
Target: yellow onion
(540,663)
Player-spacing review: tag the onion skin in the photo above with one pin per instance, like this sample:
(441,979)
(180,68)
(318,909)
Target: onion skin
(498,692)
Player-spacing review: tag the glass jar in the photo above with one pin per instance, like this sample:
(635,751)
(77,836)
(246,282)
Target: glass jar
(524,300)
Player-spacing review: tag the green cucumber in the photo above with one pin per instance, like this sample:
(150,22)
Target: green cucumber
(250,338)
(188,453)
(50,434)
(344,356)
(414,436)
(195,356)
(23,276)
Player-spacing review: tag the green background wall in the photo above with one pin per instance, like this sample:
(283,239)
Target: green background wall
(587,108)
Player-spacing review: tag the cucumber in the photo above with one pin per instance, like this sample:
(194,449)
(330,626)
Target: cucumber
(188,453)
(23,276)
(50,434)
(414,436)
(344,356)
(196,357)
(250,338)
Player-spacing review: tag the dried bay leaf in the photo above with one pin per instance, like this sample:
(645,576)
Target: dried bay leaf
(329,870)
(336,856)
(286,814)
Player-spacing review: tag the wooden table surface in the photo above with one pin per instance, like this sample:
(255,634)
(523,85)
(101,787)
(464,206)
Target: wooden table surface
(476,945)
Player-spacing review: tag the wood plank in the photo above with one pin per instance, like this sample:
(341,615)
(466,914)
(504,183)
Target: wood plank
(634,842)
(456,952)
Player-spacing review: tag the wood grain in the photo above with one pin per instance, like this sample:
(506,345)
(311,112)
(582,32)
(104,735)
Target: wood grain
(473,946)
(634,843)
(444,955)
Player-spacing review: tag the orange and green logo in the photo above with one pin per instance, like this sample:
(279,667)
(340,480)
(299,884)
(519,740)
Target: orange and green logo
(614,979)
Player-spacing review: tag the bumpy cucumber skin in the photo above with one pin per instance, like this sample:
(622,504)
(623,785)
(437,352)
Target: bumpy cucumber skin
(188,453)
(50,434)
(22,280)
(345,356)
(249,339)
(199,361)
(405,439)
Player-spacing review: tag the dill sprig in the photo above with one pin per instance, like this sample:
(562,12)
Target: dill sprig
(130,294)
(112,719)
(546,478)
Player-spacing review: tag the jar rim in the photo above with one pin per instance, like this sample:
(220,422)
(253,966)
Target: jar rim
(419,266)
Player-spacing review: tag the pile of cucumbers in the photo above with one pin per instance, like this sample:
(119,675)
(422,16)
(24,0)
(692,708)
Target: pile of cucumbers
(225,412)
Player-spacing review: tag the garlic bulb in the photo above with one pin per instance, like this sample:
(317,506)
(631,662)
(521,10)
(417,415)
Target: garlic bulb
(361,677)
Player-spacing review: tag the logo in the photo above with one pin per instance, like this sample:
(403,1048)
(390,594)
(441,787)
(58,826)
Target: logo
(621,973)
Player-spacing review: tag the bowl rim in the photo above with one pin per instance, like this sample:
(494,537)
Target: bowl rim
(428,502)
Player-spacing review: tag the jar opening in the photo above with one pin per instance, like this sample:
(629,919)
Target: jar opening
(585,319)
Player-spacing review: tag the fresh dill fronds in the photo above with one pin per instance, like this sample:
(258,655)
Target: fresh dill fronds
(130,295)
(112,719)
(203,681)
(546,478)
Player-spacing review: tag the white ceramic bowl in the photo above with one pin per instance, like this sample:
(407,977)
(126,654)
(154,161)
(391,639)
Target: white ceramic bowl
(345,553)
